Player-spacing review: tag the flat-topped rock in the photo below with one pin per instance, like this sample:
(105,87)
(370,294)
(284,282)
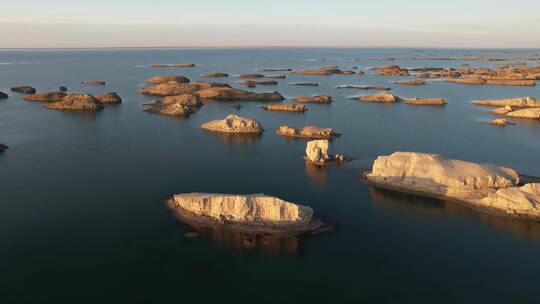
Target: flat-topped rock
(48,97)
(170,89)
(234,124)
(258,82)
(528,113)
(215,75)
(286,107)
(248,210)
(307,84)
(3,95)
(501,122)
(326,99)
(77,102)
(94,82)
(175,65)
(224,93)
(380,97)
(24,90)
(364,87)
(411,82)
(167,78)
(109,98)
(275,70)
(432,175)
(174,109)
(188,100)
(310,131)
(3,148)
(520,102)
(438,101)
(516,202)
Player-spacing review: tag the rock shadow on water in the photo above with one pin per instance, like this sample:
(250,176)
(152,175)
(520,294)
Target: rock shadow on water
(242,240)
(432,207)
(236,139)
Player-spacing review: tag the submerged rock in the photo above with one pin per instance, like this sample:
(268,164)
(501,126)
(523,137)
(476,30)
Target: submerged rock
(529,113)
(188,100)
(314,99)
(94,82)
(310,131)
(255,211)
(380,97)
(170,89)
(77,102)
(3,148)
(3,95)
(234,124)
(521,102)
(51,96)
(224,93)
(439,101)
(24,90)
(286,107)
(215,75)
(167,78)
(109,98)
(501,122)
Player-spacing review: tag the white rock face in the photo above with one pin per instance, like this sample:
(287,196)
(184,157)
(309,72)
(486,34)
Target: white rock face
(433,175)
(234,124)
(317,151)
(519,202)
(254,209)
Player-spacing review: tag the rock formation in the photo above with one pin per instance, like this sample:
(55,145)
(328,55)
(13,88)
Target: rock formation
(310,131)
(177,65)
(317,152)
(167,78)
(227,93)
(109,98)
(3,148)
(24,90)
(215,75)
(48,97)
(307,84)
(258,82)
(285,107)
(62,89)
(77,102)
(170,89)
(234,124)
(521,102)
(250,76)
(380,97)
(314,99)
(275,70)
(94,82)
(390,70)
(426,101)
(411,82)
(3,95)
(188,100)
(366,87)
(501,122)
(502,110)
(529,113)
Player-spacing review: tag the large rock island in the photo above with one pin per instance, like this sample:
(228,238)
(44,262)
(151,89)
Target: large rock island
(233,124)
(254,213)
(488,188)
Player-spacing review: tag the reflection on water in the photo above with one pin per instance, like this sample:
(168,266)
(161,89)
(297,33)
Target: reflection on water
(242,241)
(316,173)
(425,206)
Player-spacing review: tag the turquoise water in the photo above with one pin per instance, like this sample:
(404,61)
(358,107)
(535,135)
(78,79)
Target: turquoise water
(82,196)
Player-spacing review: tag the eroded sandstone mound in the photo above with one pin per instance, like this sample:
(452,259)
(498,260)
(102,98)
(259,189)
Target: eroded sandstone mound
(529,113)
(24,90)
(167,78)
(77,102)
(317,153)
(501,122)
(227,93)
(439,101)
(170,89)
(109,98)
(234,124)
(176,65)
(307,84)
(411,82)
(313,99)
(310,131)
(364,87)
(380,97)
(286,107)
(390,70)
(258,82)
(215,75)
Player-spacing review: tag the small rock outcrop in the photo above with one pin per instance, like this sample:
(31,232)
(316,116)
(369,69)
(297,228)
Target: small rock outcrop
(501,122)
(234,124)
(227,93)
(48,97)
(311,132)
(250,76)
(317,153)
(174,109)
(24,90)
(255,211)
(176,65)
(314,99)
(521,102)
(215,75)
(439,101)
(258,82)
(411,82)
(366,87)
(391,70)
(286,107)
(529,113)
(380,97)
(3,95)
(109,98)
(3,148)
(77,102)
(307,84)
(167,78)
(516,202)
(188,100)
(94,82)
(62,89)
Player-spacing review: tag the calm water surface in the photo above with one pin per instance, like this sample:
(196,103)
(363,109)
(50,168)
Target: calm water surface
(83,217)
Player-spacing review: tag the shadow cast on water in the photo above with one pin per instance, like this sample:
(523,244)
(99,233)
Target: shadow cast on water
(432,207)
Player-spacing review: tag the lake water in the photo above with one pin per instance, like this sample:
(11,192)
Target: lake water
(83,217)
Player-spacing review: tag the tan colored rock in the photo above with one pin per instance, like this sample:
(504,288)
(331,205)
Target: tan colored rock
(528,113)
(250,210)
(432,175)
(215,75)
(314,99)
(313,72)
(94,82)
(174,109)
(276,76)
(109,98)
(521,102)
(502,110)
(310,131)
(250,76)
(3,95)
(307,84)
(516,202)
(501,122)
(411,82)
(167,78)
(224,93)
(176,65)
(48,97)
(258,82)
(439,101)
(380,97)
(286,107)
(77,102)
(170,89)
(234,124)
(275,70)
(188,100)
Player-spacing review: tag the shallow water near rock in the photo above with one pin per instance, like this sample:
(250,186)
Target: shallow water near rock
(82,196)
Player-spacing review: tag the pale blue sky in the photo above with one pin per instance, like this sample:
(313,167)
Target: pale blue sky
(457,23)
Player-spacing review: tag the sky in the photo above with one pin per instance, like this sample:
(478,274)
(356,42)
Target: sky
(295,23)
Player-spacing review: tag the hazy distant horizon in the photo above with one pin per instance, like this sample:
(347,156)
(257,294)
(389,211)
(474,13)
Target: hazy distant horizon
(241,23)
